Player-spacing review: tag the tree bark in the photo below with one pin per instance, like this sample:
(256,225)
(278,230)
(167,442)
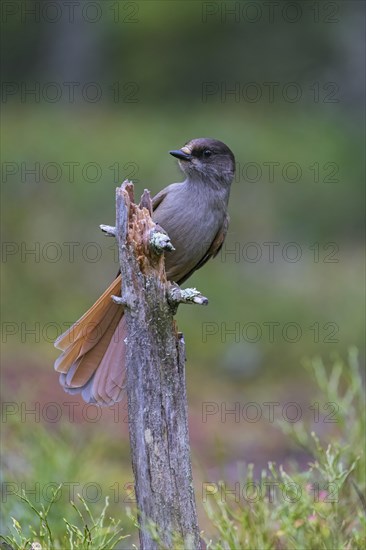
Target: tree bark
(157,401)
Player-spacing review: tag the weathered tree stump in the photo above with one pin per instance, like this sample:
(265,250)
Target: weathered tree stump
(155,362)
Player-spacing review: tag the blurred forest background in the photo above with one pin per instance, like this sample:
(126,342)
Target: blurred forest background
(96,92)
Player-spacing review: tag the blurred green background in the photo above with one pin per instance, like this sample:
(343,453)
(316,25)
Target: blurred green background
(96,92)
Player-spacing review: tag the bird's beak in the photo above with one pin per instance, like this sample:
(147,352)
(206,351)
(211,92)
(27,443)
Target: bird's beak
(181,154)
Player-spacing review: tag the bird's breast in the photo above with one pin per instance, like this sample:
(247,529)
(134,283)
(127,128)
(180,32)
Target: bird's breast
(192,221)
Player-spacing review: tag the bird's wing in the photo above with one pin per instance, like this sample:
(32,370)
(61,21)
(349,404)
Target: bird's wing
(214,249)
(159,197)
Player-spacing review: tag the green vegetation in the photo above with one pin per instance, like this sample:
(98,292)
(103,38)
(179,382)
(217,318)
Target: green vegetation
(321,507)
(93,533)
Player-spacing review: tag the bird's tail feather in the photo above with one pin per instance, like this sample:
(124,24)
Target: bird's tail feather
(92,362)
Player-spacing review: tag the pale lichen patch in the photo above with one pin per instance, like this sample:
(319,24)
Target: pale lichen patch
(148,436)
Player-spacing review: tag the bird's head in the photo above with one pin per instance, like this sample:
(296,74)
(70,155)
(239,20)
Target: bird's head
(206,159)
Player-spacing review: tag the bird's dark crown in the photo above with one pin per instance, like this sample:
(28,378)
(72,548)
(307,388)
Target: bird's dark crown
(207,147)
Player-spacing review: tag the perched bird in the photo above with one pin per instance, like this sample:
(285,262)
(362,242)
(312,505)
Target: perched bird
(194,215)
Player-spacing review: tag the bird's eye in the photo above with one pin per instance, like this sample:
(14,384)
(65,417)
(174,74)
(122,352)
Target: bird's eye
(207,153)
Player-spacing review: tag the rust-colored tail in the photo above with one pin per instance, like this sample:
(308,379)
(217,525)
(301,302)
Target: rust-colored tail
(92,362)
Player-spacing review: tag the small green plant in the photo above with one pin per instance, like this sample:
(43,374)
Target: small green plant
(92,533)
(322,507)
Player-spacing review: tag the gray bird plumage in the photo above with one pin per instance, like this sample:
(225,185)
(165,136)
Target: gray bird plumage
(194,214)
